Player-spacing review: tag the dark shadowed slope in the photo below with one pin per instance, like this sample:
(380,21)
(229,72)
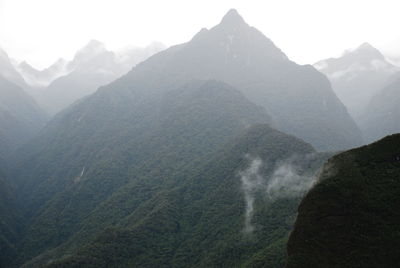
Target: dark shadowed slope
(351,217)
(9,223)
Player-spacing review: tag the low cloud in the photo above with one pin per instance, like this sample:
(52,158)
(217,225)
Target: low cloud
(285,180)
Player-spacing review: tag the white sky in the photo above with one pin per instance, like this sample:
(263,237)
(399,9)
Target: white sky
(41,31)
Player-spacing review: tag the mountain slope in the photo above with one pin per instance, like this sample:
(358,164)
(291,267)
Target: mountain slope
(20,117)
(382,115)
(351,217)
(9,223)
(201,221)
(93,154)
(357,76)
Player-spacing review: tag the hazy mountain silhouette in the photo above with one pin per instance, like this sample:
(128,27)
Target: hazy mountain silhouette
(357,76)
(20,117)
(8,71)
(42,78)
(92,67)
(381,117)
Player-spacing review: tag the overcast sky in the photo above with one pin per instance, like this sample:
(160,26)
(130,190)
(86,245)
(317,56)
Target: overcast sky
(40,31)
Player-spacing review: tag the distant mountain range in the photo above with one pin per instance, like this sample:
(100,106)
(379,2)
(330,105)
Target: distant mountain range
(240,55)
(369,86)
(38,79)
(381,117)
(8,72)
(63,83)
(358,76)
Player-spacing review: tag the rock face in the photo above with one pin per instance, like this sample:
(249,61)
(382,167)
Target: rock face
(357,76)
(351,217)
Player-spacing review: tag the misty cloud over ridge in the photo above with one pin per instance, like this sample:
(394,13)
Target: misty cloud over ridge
(284,179)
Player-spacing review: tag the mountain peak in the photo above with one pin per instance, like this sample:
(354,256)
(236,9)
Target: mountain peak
(94,45)
(232,18)
(367,49)
(366,45)
(90,51)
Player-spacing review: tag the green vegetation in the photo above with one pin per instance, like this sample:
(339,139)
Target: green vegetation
(81,164)
(9,223)
(155,187)
(350,218)
(198,222)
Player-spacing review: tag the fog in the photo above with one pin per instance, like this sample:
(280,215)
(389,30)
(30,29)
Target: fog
(286,180)
(42,31)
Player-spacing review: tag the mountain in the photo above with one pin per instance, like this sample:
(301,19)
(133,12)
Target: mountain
(87,153)
(20,117)
(195,216)
(299,98)
(8,72)
(129,161)
(357,76)
(382,115)
(351,217)
(92,66)
(35,78)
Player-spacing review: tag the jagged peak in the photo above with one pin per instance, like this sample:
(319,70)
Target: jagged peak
(232,18)
(366,49)
(366,45)
(93,45)
(89,51)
